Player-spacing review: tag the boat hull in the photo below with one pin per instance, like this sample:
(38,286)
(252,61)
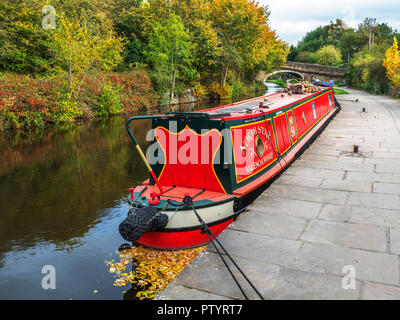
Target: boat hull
(182,238)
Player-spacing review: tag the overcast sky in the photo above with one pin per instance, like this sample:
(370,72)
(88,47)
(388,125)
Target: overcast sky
(292,19)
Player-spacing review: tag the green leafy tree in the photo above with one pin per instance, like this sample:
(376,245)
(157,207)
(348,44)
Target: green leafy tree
(350,43)
(314,40)
(381,33)
(307,57)
(129,24)
(24,43)
(367,70)
(329,55)
(79,51)
(169,53)
(293,53)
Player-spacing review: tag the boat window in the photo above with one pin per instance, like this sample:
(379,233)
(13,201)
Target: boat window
(314,111)
(259,146)
(330,100)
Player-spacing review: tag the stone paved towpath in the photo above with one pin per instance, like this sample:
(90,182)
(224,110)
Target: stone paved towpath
(327,211)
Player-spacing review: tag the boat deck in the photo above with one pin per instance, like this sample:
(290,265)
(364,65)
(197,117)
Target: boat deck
(177,192)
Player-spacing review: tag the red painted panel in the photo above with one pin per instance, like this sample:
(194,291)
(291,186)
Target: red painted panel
(303,115)
(323,105)
(189,158)
(305,112)
(282,133)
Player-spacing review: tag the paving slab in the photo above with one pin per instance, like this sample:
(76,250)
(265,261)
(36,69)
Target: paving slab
(387,155)
(331,259)
(383,161)
(321,157)
(308,194)
(389,167)
(315,172)
(293,284)
(376,291)
(291,207)
(395,240)
(374,200)
(208,273)
(329,210)
(374,177)
(391,188)
(258,221)
(346,185)
(348,235)
(334,165)
(263,248)
(372,216)
(313,182)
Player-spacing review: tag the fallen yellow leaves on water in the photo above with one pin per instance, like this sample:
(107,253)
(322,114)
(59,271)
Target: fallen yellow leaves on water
(154,268)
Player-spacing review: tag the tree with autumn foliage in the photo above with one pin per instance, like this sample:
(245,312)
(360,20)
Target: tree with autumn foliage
(229,39)
(245,36)
(79,50)
(24,45)
(392,64)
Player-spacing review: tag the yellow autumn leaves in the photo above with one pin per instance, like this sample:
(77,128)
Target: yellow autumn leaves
(392,64)
(153,269)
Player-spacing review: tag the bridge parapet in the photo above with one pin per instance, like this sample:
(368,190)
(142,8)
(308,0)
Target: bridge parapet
(315,69)
(309,71)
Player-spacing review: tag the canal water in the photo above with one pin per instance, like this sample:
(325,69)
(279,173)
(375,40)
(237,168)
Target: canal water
(273,87)
(63,194)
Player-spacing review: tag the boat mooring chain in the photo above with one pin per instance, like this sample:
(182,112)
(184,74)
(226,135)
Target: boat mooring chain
(188,202)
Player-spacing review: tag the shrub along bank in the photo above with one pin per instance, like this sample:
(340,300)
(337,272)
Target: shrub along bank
(26,101)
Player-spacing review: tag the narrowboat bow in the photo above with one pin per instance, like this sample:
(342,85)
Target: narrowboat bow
(209,165)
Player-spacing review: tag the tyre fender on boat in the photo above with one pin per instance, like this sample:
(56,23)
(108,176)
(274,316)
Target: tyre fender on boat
(141,221)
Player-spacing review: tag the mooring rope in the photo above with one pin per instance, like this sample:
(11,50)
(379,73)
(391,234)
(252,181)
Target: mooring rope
(212,237)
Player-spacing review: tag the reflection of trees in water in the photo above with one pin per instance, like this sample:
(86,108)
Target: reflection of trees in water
(61,179)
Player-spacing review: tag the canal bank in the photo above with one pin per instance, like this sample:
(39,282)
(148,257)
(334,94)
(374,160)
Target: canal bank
(330,218)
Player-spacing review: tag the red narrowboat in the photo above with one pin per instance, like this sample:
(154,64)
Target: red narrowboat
(207,166)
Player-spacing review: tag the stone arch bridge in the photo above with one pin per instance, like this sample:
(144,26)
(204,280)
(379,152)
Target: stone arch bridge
(307,71)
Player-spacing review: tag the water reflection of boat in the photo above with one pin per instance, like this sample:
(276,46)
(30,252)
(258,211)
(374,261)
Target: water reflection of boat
(207,166)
